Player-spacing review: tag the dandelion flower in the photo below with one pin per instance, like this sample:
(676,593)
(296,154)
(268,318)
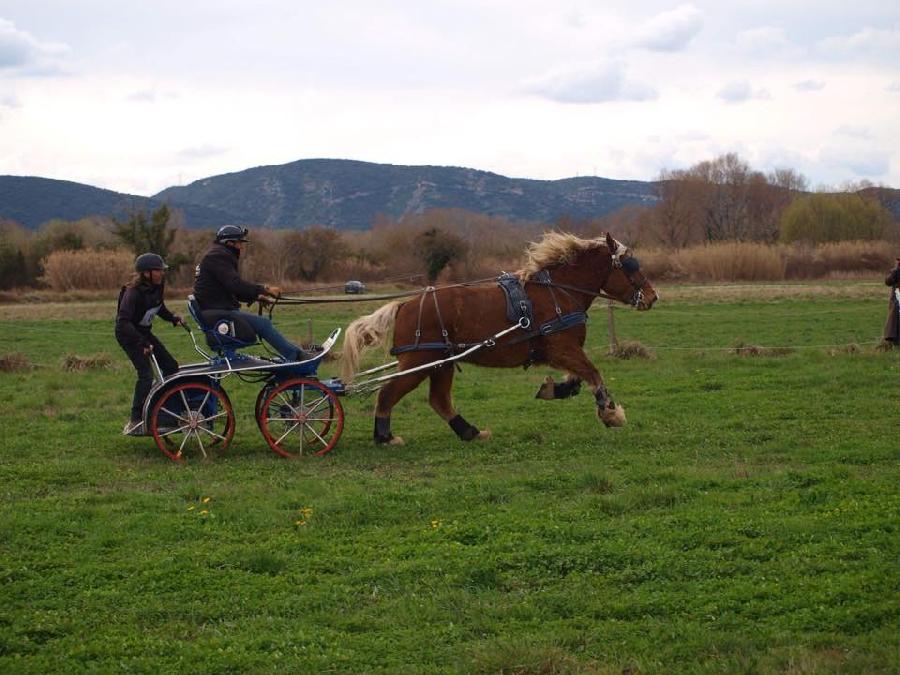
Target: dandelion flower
(191,507)
(206,500)
(204,512)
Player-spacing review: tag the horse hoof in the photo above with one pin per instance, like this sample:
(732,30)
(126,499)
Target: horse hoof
(546,392)
(612,417)
(396,440)
(483,435)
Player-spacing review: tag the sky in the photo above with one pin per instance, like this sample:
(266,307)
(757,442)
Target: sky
(137,96)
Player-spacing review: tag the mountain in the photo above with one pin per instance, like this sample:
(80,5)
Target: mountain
(30,200)
(348,194)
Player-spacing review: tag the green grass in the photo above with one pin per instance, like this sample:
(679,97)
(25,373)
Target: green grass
(746,520)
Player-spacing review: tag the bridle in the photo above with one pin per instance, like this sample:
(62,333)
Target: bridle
(629,265)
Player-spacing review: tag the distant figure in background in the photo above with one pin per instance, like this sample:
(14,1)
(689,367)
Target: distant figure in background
(219,290)
(892,325)
(140,300)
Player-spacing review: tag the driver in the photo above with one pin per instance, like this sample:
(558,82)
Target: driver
(219,290)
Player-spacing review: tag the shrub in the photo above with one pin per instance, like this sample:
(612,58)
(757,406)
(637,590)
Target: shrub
(731,261)
(93,270)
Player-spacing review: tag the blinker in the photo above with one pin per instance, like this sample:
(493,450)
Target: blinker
(631,265)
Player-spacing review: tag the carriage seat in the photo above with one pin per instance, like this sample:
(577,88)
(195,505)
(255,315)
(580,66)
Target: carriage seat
(223,332)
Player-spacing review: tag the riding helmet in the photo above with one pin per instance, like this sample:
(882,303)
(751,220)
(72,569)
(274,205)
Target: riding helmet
(232,233)
(149,261)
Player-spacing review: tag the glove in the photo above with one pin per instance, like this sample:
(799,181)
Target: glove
(177,321)
(148,349)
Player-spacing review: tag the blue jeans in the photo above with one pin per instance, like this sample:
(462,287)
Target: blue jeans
(270,334)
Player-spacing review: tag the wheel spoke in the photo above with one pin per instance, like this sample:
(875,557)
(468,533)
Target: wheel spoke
(184,400)
(316,405)
(175,431)
(315,433)
(200,443)
(169,412)
(183,441)
(284,401)
(212,433)
(281,438)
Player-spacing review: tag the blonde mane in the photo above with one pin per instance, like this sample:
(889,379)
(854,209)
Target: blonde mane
(554,248)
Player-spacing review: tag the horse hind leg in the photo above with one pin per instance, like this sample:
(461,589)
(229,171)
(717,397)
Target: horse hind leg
(388,396)
(441,400)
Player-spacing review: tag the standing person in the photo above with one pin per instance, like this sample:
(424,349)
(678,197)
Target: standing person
(219,290)
(140,300)
(892,325)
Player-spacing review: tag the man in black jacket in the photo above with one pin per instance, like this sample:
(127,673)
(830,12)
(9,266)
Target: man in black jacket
(140,300)
(892,325)
(219,290)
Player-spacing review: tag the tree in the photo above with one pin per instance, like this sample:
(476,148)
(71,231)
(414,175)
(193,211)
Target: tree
(437,249)
(142,235)
(313,250)
(839,216)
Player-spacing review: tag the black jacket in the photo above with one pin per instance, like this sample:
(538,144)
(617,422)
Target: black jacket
(218,285)
(138,305)
(893,279)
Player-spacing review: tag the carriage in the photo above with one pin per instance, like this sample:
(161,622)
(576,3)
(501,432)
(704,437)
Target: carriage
(189,412)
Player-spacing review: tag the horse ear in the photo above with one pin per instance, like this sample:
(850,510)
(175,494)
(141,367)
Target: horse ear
(610,243)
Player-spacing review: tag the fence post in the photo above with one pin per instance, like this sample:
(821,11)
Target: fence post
(611,328)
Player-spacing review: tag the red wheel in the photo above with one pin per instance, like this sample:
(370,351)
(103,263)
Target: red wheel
(301,417)
(191,418)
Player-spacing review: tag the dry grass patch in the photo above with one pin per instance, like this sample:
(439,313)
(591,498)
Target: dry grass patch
(631,350)
(744,349)
(839,350)
(79,364)
(14,363)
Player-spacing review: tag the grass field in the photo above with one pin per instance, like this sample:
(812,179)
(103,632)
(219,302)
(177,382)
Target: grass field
(746,520)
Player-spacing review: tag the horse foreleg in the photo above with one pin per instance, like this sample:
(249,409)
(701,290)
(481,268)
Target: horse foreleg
(441,399)
(576,362)
(552,390)
(388,396)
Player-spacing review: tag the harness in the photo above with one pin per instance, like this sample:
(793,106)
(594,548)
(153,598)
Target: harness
(519,311)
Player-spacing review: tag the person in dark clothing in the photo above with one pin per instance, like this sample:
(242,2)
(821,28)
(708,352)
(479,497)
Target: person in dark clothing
(140,300)
(892,325)
(219,290)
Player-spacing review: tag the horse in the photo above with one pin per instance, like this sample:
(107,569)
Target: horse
(562,275)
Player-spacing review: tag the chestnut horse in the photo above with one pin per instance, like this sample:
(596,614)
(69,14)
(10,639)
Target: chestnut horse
(562,276)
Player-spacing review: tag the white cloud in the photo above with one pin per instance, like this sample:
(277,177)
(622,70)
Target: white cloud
(868,42)
(738,92)
(893,87)
(21,51)
(670,31)
(765,40)
(863,133)
(809,85)
(10,101)
(862,162)
(596,82)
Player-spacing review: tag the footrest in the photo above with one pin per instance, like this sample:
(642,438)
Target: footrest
(336,385)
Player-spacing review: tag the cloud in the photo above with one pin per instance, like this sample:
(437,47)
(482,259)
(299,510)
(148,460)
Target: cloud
(670,31)
(868,42)
(764,40)
(21,51)
(893,87)
(150,96)
(201,152)
(864,162)
(809,85)
(596,82)
(863,133)
(738,92)
(9,101)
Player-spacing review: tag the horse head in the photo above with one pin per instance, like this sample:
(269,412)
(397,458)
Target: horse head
(626,282)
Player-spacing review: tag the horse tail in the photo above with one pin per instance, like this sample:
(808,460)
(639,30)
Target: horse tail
(366,331)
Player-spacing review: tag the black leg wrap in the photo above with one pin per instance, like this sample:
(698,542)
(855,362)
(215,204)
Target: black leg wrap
(383,430)
(603,399)
(462,428)
(566,389)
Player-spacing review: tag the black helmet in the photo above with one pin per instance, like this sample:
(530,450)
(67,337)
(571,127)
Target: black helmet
(232,233)
(149,261)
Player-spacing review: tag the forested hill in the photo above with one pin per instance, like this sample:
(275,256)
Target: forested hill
(349,194)
(30,200)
